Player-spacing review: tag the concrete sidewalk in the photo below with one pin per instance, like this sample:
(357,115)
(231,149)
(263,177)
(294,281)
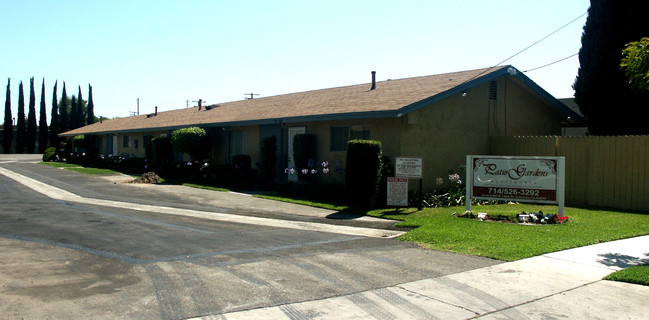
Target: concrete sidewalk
(566,284)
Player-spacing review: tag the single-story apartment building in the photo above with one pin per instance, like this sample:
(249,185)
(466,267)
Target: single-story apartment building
(440,118)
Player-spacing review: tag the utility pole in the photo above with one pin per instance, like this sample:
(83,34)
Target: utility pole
(251,95)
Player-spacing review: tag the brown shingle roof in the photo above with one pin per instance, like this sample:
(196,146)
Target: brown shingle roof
(335,103)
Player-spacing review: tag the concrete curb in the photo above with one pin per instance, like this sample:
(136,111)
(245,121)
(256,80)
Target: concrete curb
(60,194)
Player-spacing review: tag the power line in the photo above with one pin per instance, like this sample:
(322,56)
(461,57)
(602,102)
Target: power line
(551,63)
(533,44)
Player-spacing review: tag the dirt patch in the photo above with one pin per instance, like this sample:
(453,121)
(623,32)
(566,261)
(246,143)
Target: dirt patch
(148,177)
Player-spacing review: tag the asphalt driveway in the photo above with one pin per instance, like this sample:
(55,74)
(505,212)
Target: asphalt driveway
(80,246)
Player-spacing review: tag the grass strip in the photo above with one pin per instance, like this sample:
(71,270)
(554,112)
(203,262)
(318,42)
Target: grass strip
(206,187)
(306,202)
(60,165)
(634,274)
(92,170)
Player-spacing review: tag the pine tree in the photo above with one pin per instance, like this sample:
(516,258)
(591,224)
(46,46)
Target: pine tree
(30,135)
(91,107)
(608,102)
(63,112)
(21,130)
(8,127)
(42,123)
(54,123)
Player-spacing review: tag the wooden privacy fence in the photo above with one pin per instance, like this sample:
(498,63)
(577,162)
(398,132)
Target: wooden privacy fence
(603,171)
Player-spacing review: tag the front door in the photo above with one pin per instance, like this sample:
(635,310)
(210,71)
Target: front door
(113,145)
(292,132)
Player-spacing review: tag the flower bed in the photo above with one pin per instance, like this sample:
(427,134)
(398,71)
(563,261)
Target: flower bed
(523,217)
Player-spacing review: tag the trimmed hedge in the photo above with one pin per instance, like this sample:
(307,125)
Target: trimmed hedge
(363,171)
(192,141)
(49,154)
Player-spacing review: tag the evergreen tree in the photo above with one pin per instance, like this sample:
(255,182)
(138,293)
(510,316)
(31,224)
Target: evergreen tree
(608,102)
(42,123)
(30,136)
(91,107)
(80,118)
(8,127)
(63,112)
(73,113)
(54,123)
(21,130)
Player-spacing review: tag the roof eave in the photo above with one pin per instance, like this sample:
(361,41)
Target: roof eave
(463,87)
(504,71)
(308,118)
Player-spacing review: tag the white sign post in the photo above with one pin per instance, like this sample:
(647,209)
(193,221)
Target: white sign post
(397,192)
(410,168)
(524,179)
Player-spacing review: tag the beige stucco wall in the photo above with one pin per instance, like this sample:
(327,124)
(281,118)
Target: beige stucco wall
(219,152)
(138,151)
(384,130)
(445,132)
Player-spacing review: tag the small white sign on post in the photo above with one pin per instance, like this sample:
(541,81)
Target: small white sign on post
(397,192)
(524,179)
(409,167)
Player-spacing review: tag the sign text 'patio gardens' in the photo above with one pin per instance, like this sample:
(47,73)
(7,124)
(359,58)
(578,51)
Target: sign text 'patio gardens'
(524,179)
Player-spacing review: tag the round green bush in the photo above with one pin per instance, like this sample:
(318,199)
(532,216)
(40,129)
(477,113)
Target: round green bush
(49,154)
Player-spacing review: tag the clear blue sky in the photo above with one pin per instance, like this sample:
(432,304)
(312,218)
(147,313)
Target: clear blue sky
(168,52)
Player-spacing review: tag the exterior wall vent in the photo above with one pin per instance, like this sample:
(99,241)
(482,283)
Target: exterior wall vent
(493,90)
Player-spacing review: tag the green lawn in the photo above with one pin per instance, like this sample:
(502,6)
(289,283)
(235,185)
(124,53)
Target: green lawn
(438,228)
(92,170)
(635,275)
(329,206)
(201,186)
(60,165)
(78,168)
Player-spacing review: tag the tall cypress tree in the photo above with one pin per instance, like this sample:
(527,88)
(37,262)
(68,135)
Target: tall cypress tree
(91,107)
(54,122)
(30,136)
(63,111)
(8,126)
(43,134)
(73,113)
(21,130)
(609,103)
(80,118)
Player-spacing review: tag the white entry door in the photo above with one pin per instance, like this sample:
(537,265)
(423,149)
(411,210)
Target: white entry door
(292,132)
